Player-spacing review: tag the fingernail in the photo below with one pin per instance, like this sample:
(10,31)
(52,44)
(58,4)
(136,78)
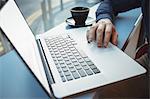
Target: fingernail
(115,43)
(105,45)
(99,45)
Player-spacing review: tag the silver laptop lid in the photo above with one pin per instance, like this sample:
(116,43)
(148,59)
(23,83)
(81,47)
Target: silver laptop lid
(16,29)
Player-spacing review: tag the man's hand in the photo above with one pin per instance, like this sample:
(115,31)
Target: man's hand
(102,32)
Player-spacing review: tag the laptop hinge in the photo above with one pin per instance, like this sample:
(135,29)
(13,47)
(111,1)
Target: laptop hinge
(47,70)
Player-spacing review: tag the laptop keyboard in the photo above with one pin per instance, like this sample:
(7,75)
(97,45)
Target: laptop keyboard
(71,62)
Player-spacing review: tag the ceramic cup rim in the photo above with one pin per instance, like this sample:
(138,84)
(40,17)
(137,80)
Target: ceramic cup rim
(82,10)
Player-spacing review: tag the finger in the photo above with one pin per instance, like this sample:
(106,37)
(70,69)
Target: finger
(99,34)
(91,33)
(114,36)
(108,32)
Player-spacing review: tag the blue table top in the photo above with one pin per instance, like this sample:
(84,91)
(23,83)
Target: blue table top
(124,24)
(17,81)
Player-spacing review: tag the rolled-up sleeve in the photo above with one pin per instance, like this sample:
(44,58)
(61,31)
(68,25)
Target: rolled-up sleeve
(110,8)
(104,10)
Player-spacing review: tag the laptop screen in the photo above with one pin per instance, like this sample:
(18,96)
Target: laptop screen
(18,32)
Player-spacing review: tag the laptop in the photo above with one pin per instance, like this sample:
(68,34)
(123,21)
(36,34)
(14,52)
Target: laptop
(63,61)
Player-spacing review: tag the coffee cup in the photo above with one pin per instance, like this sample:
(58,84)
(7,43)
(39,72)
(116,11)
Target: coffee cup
(79,14)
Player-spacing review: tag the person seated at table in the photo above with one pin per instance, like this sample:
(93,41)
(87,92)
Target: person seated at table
(103,32)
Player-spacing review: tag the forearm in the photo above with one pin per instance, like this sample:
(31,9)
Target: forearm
(110,8)
(104,10)
(125,5)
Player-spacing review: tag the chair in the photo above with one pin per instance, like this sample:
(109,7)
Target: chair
(142,45)
(142,50)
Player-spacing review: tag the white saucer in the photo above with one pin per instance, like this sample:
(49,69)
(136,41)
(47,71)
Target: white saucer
(89,21)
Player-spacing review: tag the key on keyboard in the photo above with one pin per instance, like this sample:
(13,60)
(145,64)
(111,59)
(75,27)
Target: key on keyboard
(71,62)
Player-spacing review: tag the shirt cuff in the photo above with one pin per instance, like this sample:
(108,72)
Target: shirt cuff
(103,16)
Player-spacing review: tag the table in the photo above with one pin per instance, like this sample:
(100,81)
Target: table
(16,80)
